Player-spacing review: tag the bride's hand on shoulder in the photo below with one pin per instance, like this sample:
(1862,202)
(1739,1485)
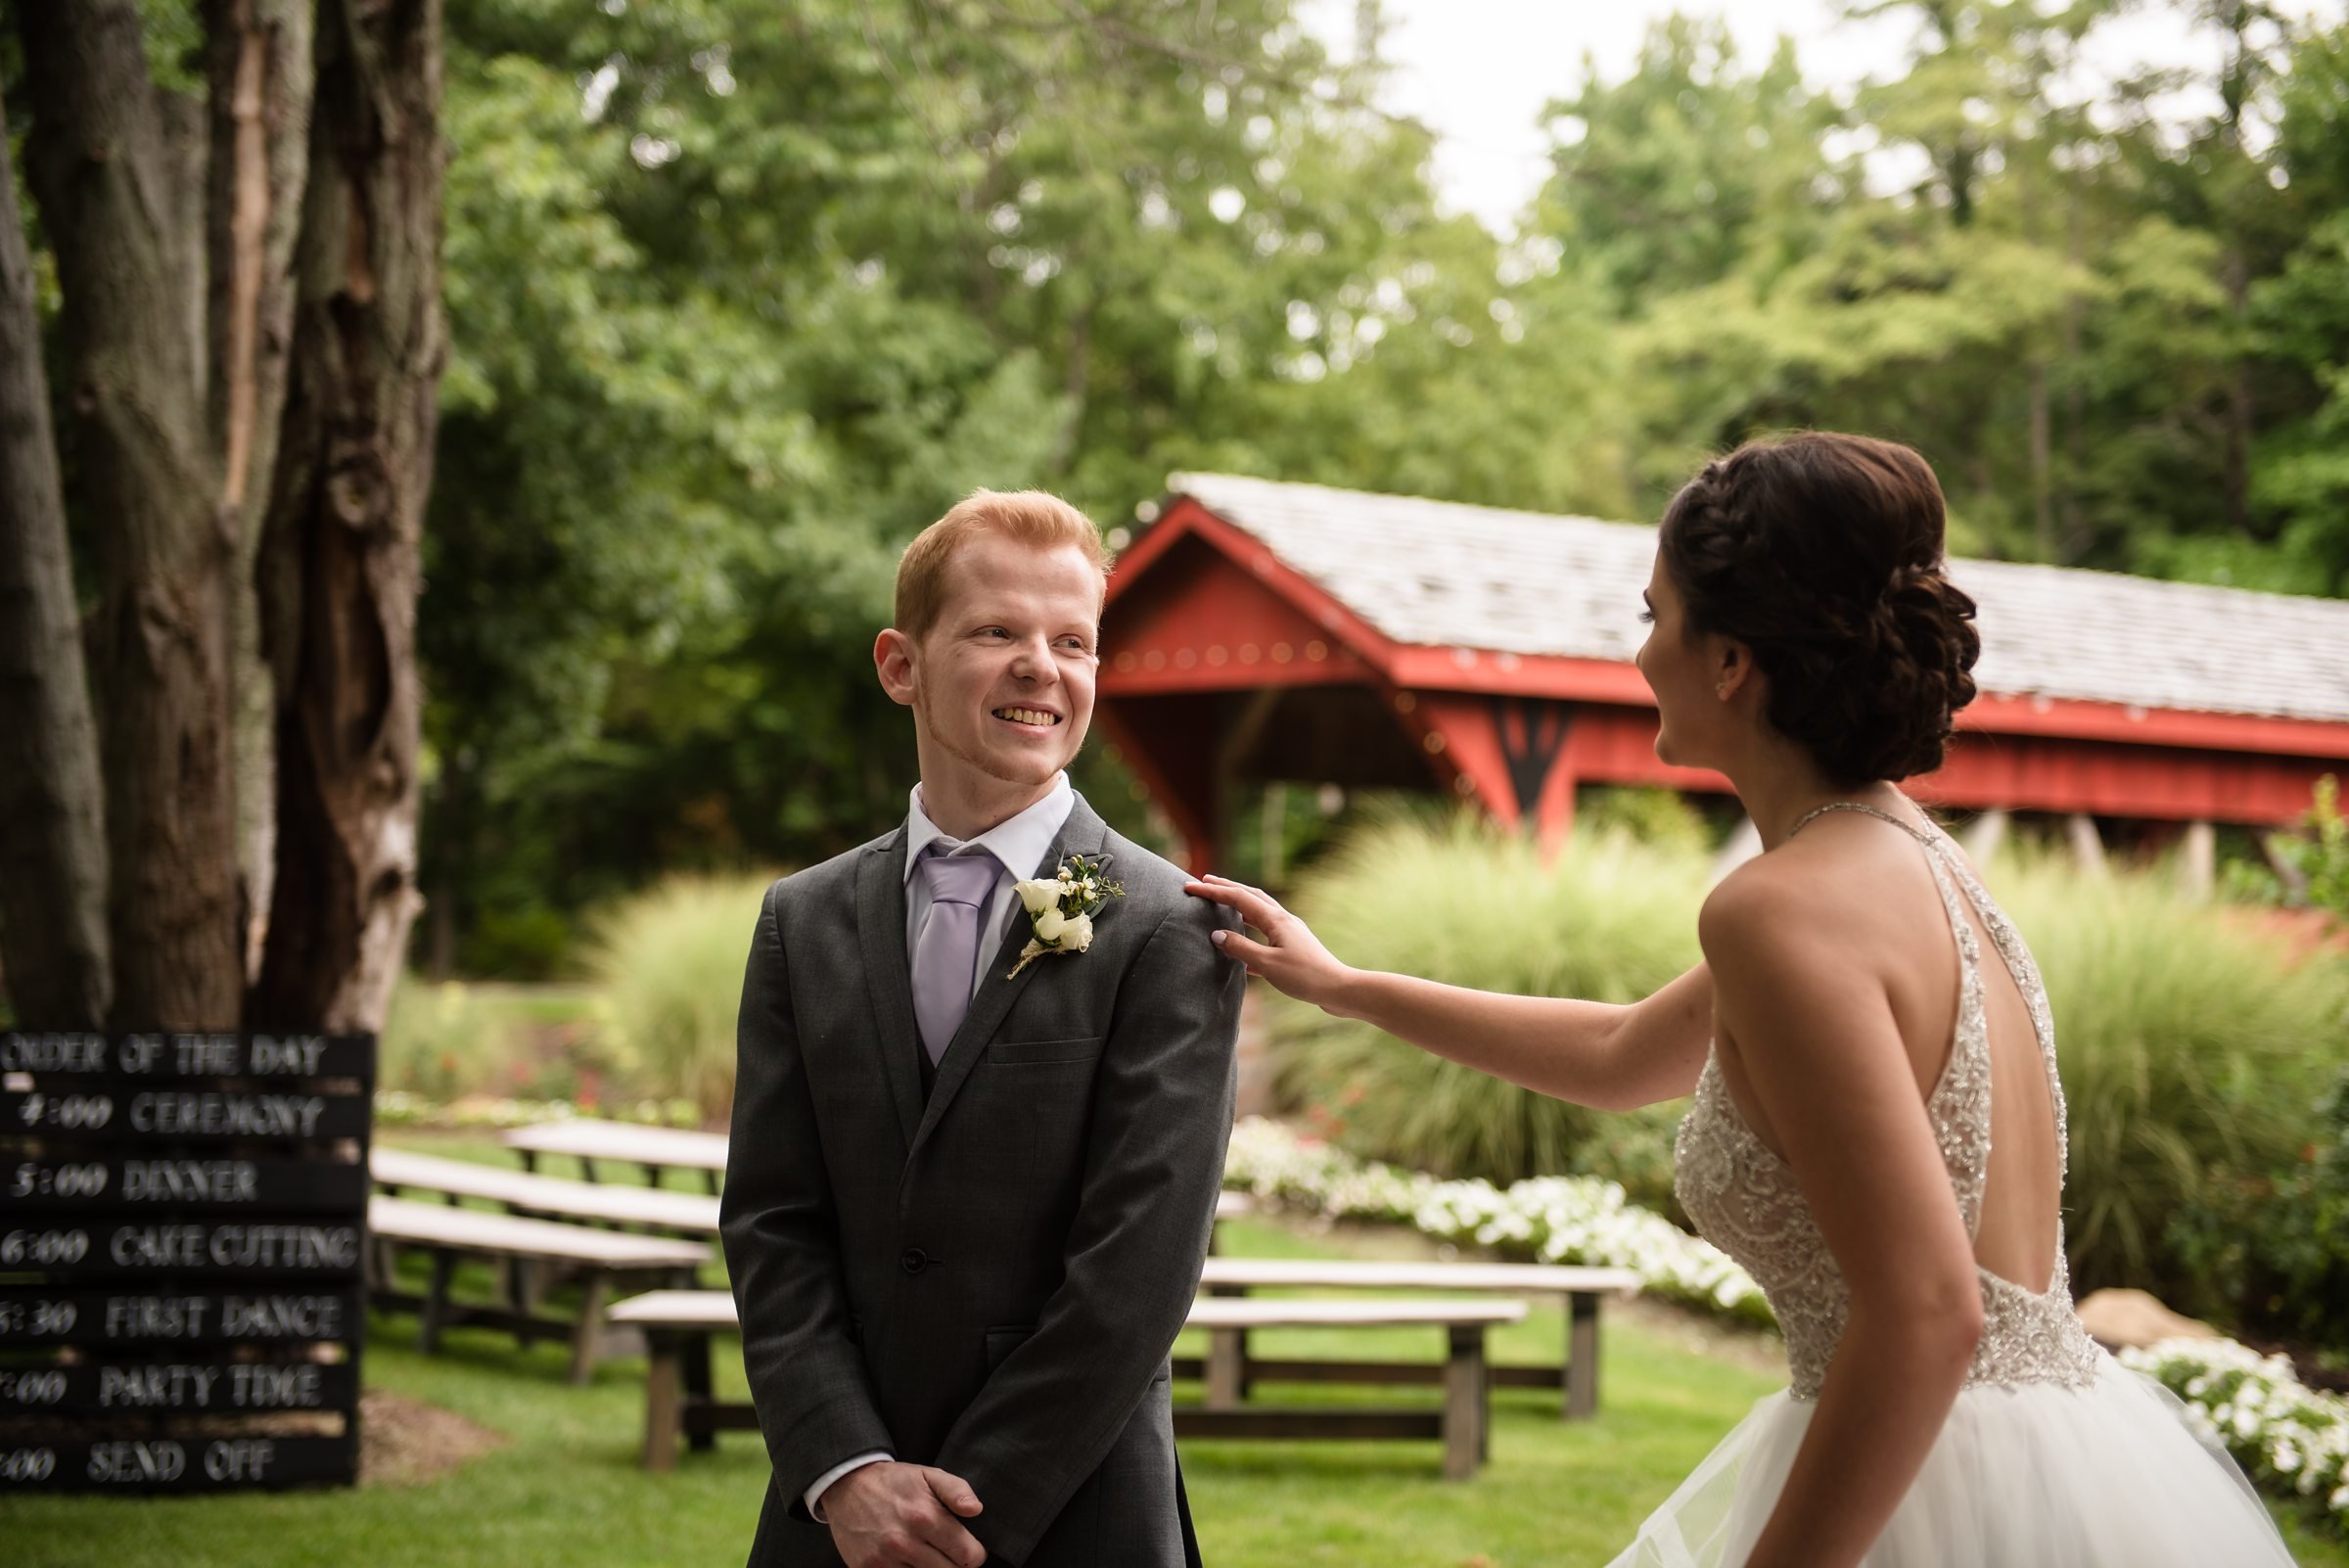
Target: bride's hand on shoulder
(1285,951)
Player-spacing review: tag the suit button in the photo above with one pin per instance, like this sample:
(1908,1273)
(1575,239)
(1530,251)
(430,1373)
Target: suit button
(913,1260)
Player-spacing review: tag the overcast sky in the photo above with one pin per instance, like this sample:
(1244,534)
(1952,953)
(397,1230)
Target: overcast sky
(1479,71)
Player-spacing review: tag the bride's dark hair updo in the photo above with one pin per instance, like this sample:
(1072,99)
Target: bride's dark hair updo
(1822,554)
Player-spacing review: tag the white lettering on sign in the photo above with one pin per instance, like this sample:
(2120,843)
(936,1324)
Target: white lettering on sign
(297,1055)
(157,1246)
(236,1246)
(286,1246)
(131,1461)
(256,1116)
(239,1458)
(52,1053)
(275,1388)
(207,1055)
(154,1316)
(191,1181)
(281,1316)
(168,1387)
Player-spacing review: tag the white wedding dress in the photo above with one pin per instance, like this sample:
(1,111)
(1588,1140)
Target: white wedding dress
(2054,1456)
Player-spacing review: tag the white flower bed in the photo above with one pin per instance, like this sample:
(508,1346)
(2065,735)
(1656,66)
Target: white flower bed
(400,1108)
(1564,1220)
(2292,1438)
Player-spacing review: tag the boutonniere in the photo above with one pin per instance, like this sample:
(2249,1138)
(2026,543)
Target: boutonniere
(1061,908)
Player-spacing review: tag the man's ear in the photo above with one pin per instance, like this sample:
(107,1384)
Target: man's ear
(893,661)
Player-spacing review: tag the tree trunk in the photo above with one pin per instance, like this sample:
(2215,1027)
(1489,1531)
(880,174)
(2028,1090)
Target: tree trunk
(108,159)
(259,63)
(339,574)
(52,837)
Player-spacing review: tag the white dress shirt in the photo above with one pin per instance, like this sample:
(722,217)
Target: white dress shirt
(1020,842)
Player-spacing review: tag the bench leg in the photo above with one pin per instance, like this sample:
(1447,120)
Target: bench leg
(1465,1403)
(694,1357)
(586,1169)
(435,1301)
(1245,1388)
(1581,1357)
(522,1294)
(589,1333)
(1226,1372)
(530,1160)
(663,1411)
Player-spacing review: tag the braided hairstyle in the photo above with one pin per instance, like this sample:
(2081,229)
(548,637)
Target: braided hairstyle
(1822,554)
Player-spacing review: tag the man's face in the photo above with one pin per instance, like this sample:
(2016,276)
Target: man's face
(1003,681)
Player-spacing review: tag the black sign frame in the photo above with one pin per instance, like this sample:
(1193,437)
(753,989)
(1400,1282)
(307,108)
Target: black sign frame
(183,1215)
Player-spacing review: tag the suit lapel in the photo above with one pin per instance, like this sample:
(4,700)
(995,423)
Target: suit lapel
(889,977)
(1084,833)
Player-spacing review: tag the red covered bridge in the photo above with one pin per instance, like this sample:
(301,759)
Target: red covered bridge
(1268,631)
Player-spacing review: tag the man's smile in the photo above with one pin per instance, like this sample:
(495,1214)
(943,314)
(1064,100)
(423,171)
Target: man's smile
(1037,719)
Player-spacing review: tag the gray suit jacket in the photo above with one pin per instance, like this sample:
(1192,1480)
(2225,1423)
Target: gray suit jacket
(988,1279)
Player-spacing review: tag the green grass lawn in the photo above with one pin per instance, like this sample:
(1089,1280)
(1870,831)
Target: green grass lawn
(565,1488)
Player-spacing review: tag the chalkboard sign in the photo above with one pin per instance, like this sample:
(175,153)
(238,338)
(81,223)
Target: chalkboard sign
(183,1222)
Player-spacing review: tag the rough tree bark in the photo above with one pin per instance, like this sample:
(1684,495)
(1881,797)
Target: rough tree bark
(52,840)
(339,569)
(259,69)
(106,156)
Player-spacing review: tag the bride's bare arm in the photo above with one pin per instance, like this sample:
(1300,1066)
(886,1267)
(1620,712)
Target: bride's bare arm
(1593,1054)
(1816,1040)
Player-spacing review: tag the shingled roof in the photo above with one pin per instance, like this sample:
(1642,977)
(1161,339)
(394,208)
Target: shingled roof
(1444,575)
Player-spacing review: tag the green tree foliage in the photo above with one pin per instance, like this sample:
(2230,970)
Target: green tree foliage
(742,296)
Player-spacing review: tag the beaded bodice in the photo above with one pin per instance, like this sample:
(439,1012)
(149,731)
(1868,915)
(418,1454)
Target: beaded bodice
(1744,1199)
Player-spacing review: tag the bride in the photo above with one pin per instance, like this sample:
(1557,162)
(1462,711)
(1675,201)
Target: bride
(1877,1133)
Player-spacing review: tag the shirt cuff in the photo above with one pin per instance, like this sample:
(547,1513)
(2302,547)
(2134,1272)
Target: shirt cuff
(823,1483)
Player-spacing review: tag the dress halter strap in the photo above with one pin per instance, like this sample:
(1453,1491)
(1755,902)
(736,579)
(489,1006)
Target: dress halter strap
(1817,811)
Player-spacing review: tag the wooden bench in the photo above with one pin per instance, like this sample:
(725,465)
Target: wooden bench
(678,1324)
(653,1149)
(1463,1423)
(689,1213)
(678,1327)
(1582,1290)
(602,1258)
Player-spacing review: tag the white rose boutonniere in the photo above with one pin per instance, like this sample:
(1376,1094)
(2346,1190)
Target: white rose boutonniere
(1061,908)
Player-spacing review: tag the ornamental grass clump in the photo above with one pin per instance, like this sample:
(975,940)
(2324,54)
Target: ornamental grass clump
(1472,905)
(668,966)
(2193,1049)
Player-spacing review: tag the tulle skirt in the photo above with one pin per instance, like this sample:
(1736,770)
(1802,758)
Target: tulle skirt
(2107,1476)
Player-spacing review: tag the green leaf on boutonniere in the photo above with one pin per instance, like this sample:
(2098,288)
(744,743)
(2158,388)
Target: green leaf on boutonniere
(1061,907)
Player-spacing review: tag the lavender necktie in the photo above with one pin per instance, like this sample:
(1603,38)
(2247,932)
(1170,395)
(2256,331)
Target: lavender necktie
(961,886)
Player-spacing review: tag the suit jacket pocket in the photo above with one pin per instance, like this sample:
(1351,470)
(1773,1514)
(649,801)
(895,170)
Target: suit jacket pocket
(1001,1342)
(1042,1052)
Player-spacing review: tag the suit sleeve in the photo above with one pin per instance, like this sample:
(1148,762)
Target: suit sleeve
(1154,1165)
(807,1379)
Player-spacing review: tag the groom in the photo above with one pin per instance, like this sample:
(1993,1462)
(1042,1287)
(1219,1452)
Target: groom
(966,1210)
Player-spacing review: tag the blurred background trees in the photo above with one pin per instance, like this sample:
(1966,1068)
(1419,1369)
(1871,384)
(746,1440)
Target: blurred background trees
(740,295)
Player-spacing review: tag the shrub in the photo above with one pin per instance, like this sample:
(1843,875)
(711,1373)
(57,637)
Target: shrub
(668,962)
(2287,1239)
(2192,1052)
(1652,815)
(1468,903)
(440,1041)
(451,1040)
